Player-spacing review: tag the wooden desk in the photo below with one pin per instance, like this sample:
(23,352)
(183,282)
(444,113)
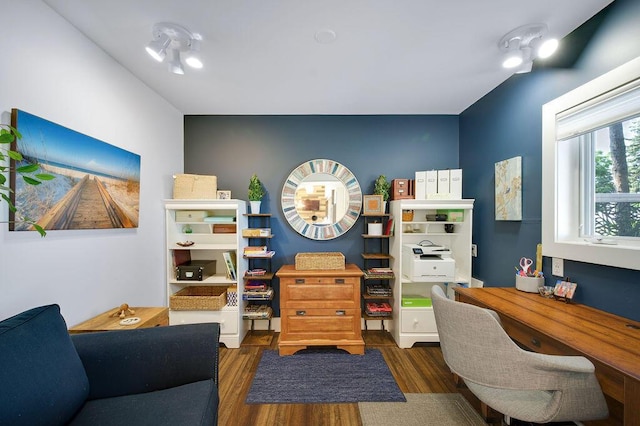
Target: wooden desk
(149,317)
(550,326)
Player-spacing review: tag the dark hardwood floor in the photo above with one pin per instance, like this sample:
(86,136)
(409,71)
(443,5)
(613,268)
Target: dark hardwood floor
(420,369)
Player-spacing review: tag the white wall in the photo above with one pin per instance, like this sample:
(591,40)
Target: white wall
(51,70)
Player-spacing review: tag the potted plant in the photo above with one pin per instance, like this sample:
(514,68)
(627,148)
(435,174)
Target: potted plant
(256,192)
(30,172)
(382,186)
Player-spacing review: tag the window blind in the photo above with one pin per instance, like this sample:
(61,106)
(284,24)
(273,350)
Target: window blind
(616,105)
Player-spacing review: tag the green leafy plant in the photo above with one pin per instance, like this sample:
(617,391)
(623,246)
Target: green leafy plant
(30,172)
(256,190)
(382,186)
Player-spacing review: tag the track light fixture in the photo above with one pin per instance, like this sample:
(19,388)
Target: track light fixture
(176,39)
(524,44)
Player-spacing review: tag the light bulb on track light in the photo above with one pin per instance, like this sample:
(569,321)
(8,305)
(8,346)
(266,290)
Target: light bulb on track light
(157,48)
(192,57)
(175,66)
(547,48)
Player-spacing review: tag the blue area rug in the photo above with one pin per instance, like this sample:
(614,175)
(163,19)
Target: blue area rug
(323,376)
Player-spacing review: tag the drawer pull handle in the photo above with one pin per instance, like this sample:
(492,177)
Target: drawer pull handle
(339,280)
(535,342)
(301,313)
(340,312)
(299,280)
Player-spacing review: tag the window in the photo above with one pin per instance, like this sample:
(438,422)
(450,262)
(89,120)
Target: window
(610,183)
(591,171)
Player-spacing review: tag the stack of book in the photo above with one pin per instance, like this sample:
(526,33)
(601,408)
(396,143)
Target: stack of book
(255,285)
(379,290)
(257,290)
(266,294)
(379,273)
(257,312)
(258,251)
(378,309)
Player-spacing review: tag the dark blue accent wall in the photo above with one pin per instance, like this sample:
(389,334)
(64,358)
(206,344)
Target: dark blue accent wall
(507,123)
(235,147)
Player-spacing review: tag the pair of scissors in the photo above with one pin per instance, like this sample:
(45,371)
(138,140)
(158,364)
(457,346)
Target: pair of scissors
(525,264)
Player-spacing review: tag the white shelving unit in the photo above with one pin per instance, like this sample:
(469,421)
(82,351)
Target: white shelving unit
(208,246)
(417,324)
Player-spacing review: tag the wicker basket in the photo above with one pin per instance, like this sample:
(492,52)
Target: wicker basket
(199,298)
(407,215)
(198,187)
(320,260)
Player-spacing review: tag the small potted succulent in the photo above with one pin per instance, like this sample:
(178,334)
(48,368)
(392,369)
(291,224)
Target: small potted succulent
(256,192)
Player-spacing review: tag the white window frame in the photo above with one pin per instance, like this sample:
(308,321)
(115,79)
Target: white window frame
(561,181)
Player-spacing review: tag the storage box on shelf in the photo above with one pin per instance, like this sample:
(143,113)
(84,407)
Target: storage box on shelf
(259,277)
(198,298)
(197,295)
(319,260)
(402,189)
(446,223)
(378,275)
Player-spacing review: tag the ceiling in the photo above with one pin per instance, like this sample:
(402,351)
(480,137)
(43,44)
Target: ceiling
(262,57)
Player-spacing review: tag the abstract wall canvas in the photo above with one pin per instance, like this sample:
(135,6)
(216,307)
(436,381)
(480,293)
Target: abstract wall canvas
(508,175)
(96,185)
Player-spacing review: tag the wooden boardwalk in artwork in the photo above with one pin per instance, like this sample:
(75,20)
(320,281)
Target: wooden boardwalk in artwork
(87,205)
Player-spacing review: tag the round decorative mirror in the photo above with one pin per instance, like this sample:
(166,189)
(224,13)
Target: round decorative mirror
(321,199)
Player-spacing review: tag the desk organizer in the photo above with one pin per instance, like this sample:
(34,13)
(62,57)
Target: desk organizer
(529,284)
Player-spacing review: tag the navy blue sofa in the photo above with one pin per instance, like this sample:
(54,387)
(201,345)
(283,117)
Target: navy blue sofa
(151,376)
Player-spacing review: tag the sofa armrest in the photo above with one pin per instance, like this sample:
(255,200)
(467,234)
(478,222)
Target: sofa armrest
(143,360)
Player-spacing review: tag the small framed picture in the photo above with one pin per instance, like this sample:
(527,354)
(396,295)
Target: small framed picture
(372,204)
(223,195)
(565,290)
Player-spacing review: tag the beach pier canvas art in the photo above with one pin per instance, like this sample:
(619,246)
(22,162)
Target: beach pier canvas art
(96,185)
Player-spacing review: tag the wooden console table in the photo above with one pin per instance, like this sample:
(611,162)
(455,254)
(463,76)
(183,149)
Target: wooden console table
(553,327)
(320,308)
(149,317)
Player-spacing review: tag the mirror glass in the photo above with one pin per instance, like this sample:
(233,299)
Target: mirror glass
(321,199)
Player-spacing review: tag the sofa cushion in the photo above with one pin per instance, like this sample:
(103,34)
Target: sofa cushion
(42,378)
(191,404)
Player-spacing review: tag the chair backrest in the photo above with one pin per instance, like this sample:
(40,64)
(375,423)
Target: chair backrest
(475,346)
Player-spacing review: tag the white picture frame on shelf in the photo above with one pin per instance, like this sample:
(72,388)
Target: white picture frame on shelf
(223,195)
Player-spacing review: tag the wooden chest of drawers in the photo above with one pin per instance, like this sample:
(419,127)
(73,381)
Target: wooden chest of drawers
(320,308)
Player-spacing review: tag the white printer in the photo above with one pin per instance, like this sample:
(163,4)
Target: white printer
(427,263)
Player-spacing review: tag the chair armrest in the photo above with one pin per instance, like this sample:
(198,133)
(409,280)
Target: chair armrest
(573,364)
(143,360)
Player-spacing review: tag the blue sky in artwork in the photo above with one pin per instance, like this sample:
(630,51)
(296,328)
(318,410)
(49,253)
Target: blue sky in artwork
(58,145)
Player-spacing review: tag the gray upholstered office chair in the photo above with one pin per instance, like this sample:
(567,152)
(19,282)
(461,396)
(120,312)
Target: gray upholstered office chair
(519,384)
